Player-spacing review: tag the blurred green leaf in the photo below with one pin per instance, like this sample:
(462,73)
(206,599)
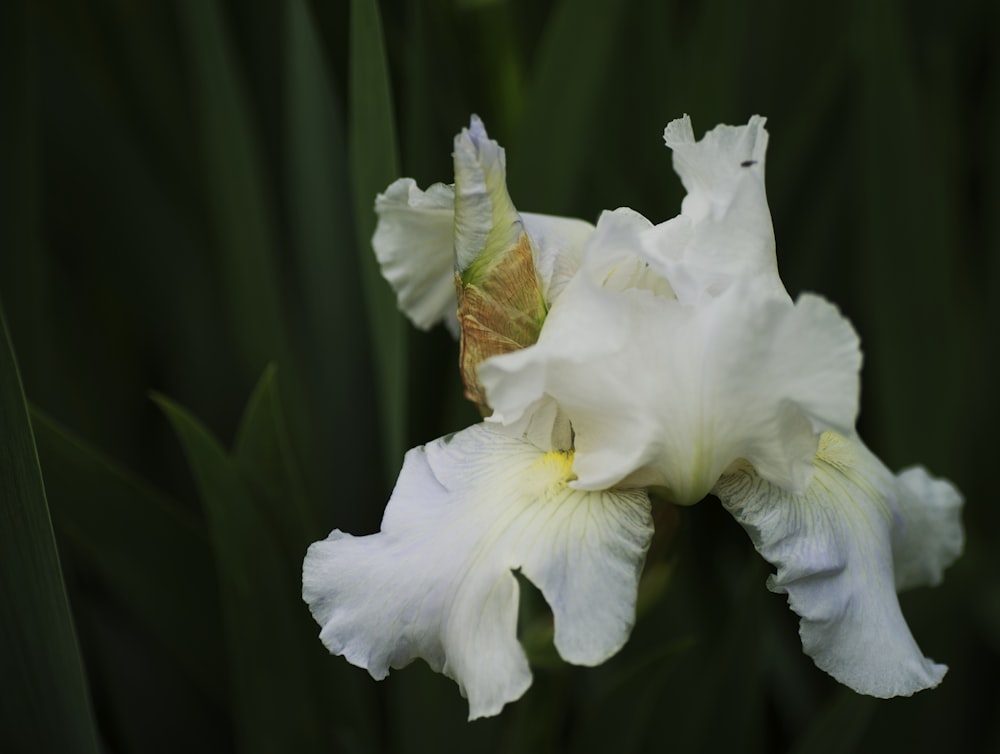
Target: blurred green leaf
(144,547)
(375,164)
(906,249)
(496,33)
(273,707)
(420,79)
(263,454)
(839,727)
(567,88)
(44,703)
(23,281)
(736,660)
(326,304)
(235,185)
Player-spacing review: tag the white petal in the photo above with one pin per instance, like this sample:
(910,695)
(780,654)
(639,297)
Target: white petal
(668,395)
(557,243)
(544,425)
(930,536)
(413,244)
(437,582)
(832,547)
(612,256)
(486,223)
(728,223)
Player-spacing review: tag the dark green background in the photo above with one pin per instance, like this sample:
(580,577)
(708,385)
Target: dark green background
(217,376)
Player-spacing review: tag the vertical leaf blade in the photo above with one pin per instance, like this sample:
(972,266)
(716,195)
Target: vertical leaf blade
(576,55)
(234,173)
(264,455)
(325,299)
(374,164)
(44,703)
(913,259)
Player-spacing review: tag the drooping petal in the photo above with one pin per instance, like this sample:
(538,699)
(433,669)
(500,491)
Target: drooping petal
(413,245)
(832,547)
(725,224)
(930,536)
(437,581)
(668,395)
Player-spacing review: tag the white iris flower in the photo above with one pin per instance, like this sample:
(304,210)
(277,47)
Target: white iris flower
(611,361)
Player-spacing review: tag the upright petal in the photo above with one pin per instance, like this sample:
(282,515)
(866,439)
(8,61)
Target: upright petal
(437,582)
(487,226)
(668,395)
(413,245)
(833,550)
(500,303)
(725,223)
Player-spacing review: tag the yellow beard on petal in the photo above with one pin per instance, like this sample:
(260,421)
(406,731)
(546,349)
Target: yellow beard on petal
(835,451)
(553,472)
(560,464)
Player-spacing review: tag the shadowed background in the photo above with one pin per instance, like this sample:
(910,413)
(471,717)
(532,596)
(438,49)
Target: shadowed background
(216,375)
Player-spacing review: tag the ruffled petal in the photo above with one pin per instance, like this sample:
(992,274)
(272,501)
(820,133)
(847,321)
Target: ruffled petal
(413,245)
(668,395)
(437,582)
(724,233)
(930,536)
(832,547)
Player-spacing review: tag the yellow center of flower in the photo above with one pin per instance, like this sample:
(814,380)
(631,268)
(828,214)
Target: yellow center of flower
(835,451)
(561,463)
(555,469)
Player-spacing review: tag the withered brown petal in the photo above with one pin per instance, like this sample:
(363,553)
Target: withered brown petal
(502,312)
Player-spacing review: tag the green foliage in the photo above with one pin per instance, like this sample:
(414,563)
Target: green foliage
(130,534)
(44,702)
(186,207)
(373,165)
(273,707)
